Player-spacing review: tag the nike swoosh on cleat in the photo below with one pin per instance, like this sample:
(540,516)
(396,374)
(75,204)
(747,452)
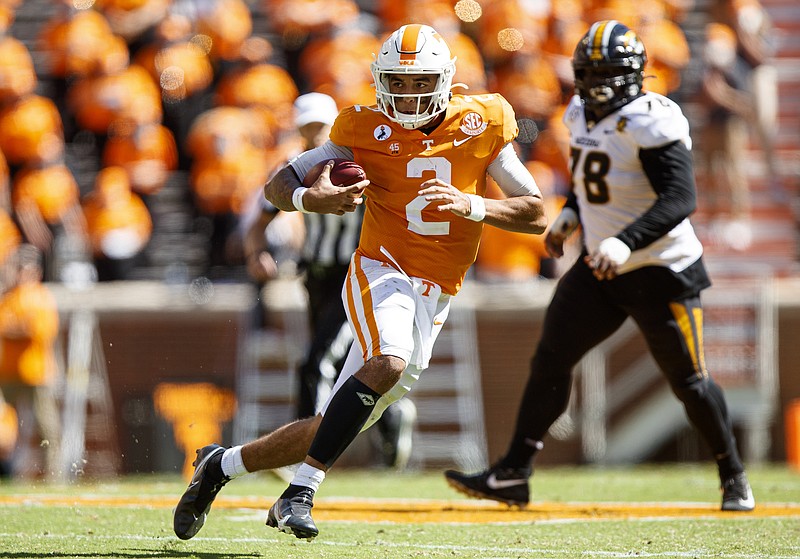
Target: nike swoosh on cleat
(457,142)
(493,483)
(748,502)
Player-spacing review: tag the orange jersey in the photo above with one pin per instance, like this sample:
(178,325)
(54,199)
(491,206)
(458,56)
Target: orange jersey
(52,189)
(28,328)
(426,243)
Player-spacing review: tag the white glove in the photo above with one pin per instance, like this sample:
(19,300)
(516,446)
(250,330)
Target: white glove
(611,253)
(614,250)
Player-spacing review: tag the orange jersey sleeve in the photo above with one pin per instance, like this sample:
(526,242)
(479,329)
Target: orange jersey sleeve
(426,243)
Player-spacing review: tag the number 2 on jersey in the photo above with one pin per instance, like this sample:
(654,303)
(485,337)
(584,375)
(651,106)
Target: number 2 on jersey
(443,170)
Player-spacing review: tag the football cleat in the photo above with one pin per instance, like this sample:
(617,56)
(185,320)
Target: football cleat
(737,495)
(506,485)
(291,513)
(192,510)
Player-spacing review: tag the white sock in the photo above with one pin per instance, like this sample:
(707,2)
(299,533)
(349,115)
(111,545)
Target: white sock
(308,476)
(232,464)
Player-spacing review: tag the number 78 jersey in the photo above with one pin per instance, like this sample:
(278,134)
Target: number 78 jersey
(610,183)
(427,243)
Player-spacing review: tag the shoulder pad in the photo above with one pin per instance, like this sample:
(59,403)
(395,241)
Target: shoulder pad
(654,121)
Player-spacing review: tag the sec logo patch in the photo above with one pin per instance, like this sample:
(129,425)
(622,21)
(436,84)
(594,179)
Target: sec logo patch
(472,124)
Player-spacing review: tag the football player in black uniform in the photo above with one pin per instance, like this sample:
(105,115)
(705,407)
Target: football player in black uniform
(632,193)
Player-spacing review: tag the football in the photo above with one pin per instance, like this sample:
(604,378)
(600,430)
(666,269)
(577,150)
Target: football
(343,173)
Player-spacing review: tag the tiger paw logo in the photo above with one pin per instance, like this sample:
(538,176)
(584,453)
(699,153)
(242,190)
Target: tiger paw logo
(622,123)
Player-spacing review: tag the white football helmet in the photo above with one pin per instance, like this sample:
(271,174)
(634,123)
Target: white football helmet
(414,49)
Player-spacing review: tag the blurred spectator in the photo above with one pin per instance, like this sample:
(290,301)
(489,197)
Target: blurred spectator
(17,73)
(394,13)
(176,62)
(529,82)
(755,40)
(78,43)
(9,434)
(147,151)
(345,76)
(8,13)
(31,131)
(255,83)
(667,48)
(227,144)
(132,19)
(179,65)
(46,202)
(510,26)
(728,107)
(118,223)
(10,237)
(29,371)
(228,24)
(129,95)
(5,183)
(295,20)
(565,27)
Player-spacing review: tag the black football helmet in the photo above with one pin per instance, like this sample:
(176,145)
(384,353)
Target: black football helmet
(609,67)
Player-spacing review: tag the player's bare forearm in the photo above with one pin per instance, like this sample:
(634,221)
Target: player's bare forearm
(523,214)
(279,189)
(321,197)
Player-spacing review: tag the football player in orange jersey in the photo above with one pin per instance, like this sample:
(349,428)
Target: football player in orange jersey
(426,153)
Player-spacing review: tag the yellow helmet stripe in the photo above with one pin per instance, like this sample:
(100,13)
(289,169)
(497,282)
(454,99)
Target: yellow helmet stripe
(599,36)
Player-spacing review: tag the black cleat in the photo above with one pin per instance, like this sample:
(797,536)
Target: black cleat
(506,485)
(737,495)
(192,510)
(292,513)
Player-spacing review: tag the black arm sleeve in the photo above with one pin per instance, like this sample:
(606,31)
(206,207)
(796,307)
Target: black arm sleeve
(669,170)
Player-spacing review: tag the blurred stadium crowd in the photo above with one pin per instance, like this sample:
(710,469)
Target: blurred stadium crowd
(111,110)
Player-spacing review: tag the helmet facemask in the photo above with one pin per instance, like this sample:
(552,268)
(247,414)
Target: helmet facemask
(413,50)
(607,88)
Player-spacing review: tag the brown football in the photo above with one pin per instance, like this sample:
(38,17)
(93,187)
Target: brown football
(343,173)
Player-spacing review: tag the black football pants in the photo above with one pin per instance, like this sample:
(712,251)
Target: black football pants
(585,311)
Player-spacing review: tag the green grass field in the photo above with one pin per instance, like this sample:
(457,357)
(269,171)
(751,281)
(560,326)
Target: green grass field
(653,511)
